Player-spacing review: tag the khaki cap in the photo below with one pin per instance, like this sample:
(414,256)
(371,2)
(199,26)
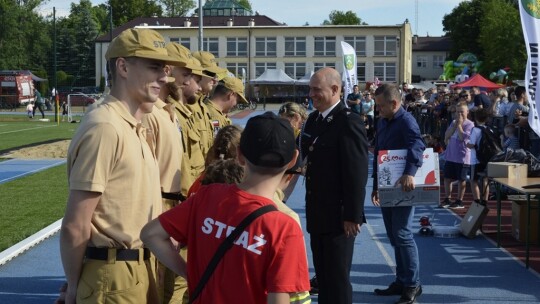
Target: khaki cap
(182,54)
(142,43)
(209,63)
(234,84)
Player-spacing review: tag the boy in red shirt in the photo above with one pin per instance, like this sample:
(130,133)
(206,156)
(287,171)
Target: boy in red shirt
(268,260)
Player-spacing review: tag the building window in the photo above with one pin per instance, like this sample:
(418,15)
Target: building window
(438,61)
(421,61)
(211,45)
(236,68)
(325,46)
(265,46)
(237,47)
(385,45)
(385,71)
(183,41)
(319,65)
(358,43)
(260,67)
(295,46)
(295,70)
(186,42)
(361,71)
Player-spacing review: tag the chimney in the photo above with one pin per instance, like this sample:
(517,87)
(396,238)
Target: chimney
(187,23)
(230,22)
(251,22)
(415,39)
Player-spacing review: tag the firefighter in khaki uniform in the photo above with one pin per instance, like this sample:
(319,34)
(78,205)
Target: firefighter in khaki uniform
(225,96)
(187,78)
(166,141)
(203,120)
(175,93)
(114,181)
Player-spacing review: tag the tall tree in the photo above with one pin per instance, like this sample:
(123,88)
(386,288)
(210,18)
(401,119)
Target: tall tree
(86,30)
(343,18)
(501,38)
(175,8)
(23,42)
(462,25)
(126,10)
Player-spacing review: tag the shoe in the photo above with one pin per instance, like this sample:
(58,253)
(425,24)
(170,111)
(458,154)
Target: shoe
(410,294)
(393,290)
(314,286)
(445,203)
(458,204)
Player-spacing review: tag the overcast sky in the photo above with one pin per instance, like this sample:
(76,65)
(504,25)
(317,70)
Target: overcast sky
(314,12)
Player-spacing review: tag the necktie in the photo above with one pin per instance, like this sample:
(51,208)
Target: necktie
(319,120)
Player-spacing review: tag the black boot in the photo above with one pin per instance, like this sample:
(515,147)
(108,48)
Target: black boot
(393,290)
(409,295)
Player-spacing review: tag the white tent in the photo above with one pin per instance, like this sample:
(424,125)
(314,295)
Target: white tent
(273,76)
(305,79)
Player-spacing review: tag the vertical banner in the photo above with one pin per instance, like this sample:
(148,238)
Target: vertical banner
(349,69)
(529,11)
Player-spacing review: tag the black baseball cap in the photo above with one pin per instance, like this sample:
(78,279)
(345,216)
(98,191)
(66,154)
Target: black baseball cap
(268,141)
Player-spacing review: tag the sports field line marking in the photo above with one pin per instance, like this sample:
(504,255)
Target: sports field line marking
(31,241)
(33,171)
(20,130)
(383,251)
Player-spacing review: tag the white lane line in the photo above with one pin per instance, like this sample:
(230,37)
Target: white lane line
(383,251)
(29,242)
(20,130)
(33,171)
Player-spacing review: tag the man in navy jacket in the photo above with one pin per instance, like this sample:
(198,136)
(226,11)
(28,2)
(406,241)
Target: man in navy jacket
(397,129)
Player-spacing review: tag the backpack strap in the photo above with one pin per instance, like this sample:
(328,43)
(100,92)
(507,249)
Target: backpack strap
(225,246)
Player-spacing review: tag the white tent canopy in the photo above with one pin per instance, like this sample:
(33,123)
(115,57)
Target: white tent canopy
(305,79)
(273,76)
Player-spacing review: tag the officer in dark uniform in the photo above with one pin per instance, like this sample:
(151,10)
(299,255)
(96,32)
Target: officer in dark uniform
(335,144)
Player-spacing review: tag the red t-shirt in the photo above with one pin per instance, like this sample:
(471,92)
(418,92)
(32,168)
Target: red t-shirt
(269,256)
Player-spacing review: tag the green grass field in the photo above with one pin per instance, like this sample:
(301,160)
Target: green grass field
(35,201)
(31,203)
(18,134)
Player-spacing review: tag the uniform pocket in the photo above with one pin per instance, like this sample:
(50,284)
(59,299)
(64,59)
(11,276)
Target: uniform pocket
(84,292)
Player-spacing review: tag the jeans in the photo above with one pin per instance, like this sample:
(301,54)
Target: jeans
(398,222)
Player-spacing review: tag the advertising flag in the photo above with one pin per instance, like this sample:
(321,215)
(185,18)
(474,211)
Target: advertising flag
(349,69)
(529,11)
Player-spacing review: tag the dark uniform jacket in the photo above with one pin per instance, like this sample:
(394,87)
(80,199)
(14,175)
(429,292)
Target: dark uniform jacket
(337,169)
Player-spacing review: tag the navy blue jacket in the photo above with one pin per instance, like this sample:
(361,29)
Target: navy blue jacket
(400,132)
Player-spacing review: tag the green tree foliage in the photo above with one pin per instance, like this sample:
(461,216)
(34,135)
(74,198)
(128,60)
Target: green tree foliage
(245,3)
(126,10)
(175,8)
(491,29)
(343,18)
(463,26)
(101,16)
(23,43)
(501,38)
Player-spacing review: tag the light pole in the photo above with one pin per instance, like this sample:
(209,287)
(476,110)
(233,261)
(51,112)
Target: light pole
(201,48)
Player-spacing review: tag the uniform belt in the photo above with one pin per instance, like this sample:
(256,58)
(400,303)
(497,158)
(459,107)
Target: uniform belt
(102,253)
(173,196)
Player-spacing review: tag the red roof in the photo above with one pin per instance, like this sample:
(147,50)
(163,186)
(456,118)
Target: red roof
(478,81)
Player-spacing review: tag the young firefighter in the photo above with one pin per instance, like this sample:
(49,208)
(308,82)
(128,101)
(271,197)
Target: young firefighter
(268,261)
